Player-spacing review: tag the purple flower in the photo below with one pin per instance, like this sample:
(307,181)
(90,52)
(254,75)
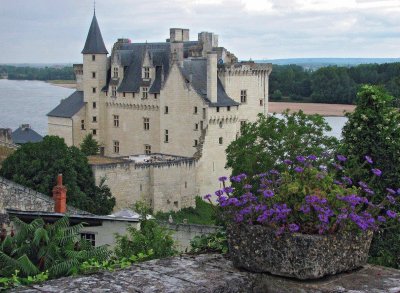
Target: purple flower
(208,196)
(305,209)
(238,218)
(222,178)
(391,199)
(362,184)
(219,193)
(274,172)
(376,172)
(268,193)
(299,169)
(287,162)
(247,186)
(228,189)
(323,168)
(347,180)
(337,166)
(369,159)
(391,214)
(381,219)
(341,158)
(391,191)
(312,157)
(300,159)
(293,228)
(369,191)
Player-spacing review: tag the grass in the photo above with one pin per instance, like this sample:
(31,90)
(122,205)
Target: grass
(202,214)
(62,81)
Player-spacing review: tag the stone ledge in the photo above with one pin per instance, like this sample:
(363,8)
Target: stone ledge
(214,273)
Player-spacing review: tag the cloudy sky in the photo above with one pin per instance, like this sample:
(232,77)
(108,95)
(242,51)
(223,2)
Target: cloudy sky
(51,31)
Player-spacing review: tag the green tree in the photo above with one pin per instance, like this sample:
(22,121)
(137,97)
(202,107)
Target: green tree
(89,145)
(268,141)
(39,247)
(373,129)
(36,166)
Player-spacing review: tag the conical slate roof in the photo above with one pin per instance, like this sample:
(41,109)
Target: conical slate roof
(94,41)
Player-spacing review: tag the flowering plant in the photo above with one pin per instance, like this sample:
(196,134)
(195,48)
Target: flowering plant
(308,198)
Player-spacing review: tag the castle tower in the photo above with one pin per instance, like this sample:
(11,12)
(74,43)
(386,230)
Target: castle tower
(94,79)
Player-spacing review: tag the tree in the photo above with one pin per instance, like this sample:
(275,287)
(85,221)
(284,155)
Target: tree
(36,166)
(39,247)
(373,130)
(268,141)
(89,145)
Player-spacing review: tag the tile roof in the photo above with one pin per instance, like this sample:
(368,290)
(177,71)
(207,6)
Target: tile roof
(25,134)
(69,106)
(94,41)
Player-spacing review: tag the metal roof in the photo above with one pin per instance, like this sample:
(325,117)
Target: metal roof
(94,41)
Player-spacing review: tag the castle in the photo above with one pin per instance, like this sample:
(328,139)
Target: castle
(163,113)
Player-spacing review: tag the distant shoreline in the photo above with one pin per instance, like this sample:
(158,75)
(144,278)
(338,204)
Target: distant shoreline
(336,110)
(61,83)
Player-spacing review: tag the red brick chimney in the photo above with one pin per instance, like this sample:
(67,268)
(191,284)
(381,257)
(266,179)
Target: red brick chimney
(60,196)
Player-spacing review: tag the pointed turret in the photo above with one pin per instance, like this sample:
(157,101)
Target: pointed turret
(94,41)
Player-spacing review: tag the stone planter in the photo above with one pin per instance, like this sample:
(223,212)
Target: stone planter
(257,249)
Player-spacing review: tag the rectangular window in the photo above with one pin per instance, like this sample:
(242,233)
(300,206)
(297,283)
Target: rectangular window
(123,94)
(94,105)
(115,72)
(220,140)
(93,90)
(195,110)
(94,119)
(133,95)
(228,108)
(242,124)
(93,74)
(166,110)
(146,72)
(113,91)
(155,96)
(217,109)
(196,126)
(91,237)
(261,102)
(93,57)
(116,146)
(116,120)
(166,135)
(243,96)
(146,123)
(94,132)
(201,125)
(204,113)
(147,149)
(145,93)
(195,142)
(83,124)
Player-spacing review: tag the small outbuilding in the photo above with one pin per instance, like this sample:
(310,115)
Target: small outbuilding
(25,134)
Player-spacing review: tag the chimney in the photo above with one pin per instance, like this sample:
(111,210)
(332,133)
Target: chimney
(212,76)
(60,196)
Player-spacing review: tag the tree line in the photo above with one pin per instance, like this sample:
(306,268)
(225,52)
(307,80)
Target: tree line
(332,84)
(37,73)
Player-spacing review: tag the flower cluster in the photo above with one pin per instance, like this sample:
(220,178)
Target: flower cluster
(306,197)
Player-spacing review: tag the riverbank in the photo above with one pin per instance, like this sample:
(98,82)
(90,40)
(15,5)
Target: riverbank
(311,108)
(71,84)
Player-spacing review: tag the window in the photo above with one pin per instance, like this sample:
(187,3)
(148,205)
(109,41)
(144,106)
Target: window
(196,126)
(145,93)
(155,96)
(94,105)
(113,91)
(221,124)
(123,94)
(116,120)
(166,135)
(83,124)
(93,74)
(94,119)
(133,95)
(201,125)
(243,96)
(115,72)
(146,72)
(228,108)
(185,184)
(195,110)
(91,237)
(93,57)
(220,140)
(166,110)
(261,102)
(147,149)
(195,142)
(217,109)
(93,90)
(94,132)
(242,124)
(204,113)
(146,123)
(116,146)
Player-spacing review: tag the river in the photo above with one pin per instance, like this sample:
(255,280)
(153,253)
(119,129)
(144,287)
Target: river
(28,102)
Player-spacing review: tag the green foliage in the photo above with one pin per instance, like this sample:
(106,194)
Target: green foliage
(89,145)
(332,84)
(36,165)
(373,129)
(15,280)
(203,214)
(211,243)
(265,143)
(276,95)
(54,248)
(37,73)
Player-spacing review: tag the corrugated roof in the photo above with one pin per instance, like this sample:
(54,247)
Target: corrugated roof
(69,106)
(25,134)
(94,41)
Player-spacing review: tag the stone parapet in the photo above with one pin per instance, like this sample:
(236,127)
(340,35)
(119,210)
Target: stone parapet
(214,273)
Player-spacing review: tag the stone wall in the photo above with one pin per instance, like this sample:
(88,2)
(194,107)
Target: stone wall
(17,197)
(183,233)
(61,127)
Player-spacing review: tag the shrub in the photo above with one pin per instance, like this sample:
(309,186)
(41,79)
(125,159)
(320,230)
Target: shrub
(211,243)
(89,145)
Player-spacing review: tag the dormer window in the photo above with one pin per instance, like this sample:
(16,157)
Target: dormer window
(115,72)
(144,93)
(146,72)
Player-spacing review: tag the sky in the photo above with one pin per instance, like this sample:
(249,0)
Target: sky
(54,31)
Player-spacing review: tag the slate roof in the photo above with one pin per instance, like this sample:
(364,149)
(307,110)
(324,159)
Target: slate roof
(24,135)
(94,41)
(69,106)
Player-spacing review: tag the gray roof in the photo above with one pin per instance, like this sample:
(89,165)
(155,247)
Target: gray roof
(196,71)
(69,106)
(94,41)
(24,135)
